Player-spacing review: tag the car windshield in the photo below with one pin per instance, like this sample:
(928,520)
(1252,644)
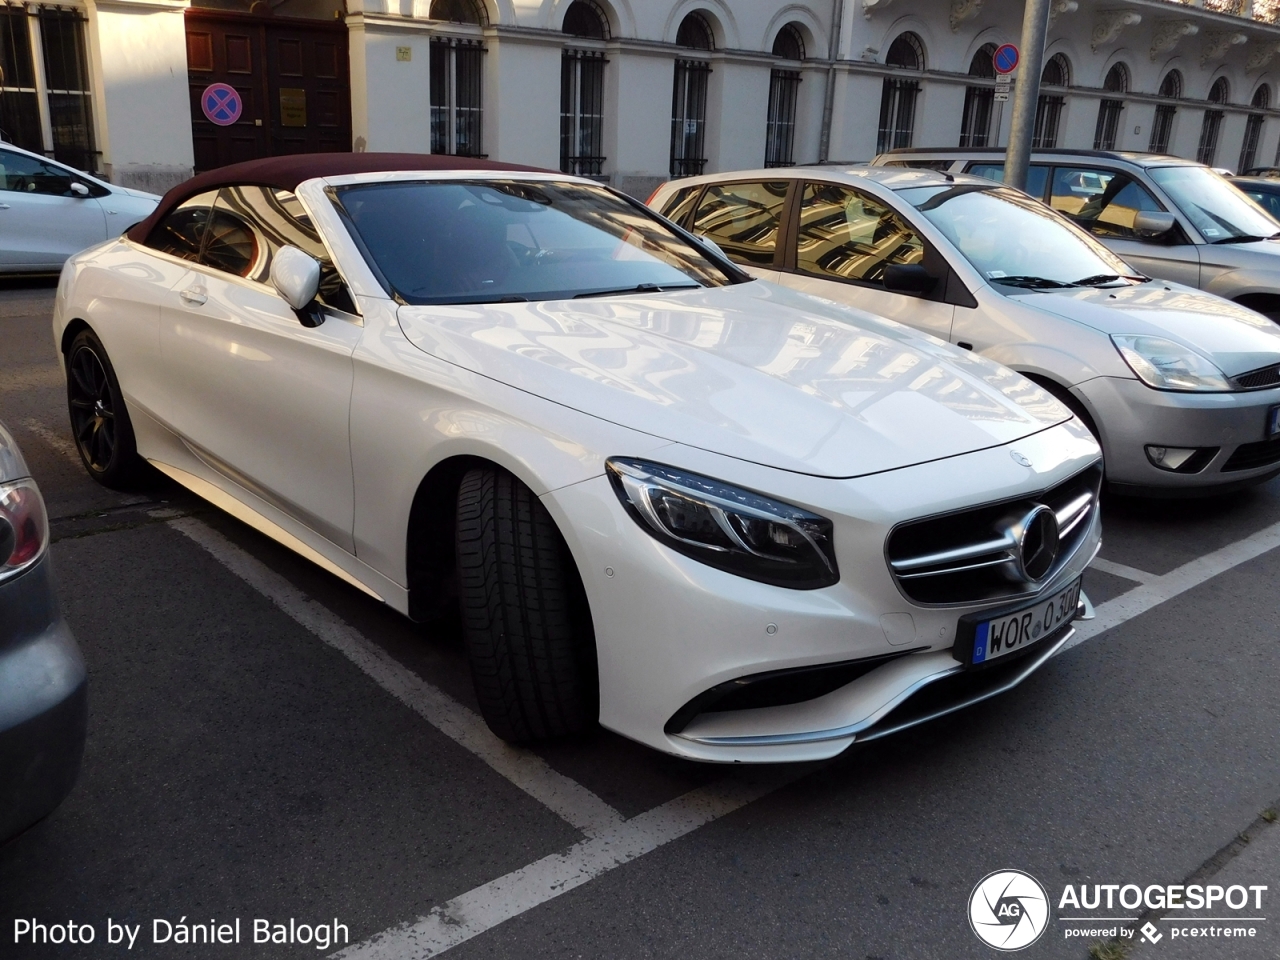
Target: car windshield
(489,241)
(1218,209)
(1015,240)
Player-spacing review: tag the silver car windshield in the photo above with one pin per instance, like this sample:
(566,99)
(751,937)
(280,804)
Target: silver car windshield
(490,241)
(1015,240)
(1217,208)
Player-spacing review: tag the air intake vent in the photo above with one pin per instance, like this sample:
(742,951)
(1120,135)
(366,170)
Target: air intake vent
(1259,379)
(996,551)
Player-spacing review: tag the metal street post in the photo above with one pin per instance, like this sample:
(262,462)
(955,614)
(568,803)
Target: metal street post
(1026,94)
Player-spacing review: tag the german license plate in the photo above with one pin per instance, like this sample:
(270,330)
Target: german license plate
(1016,631)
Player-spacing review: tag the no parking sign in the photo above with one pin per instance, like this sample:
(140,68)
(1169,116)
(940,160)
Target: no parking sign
(1005,59)
(221,104)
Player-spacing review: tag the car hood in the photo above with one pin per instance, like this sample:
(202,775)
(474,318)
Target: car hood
(139,194)
(752,371)
(1234,337)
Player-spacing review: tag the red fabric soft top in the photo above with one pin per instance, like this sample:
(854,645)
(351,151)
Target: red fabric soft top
(285,173)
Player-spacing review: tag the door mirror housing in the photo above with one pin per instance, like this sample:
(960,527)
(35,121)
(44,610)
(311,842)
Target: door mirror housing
(79,189)
(296,277)
(1151,224)
(908,278)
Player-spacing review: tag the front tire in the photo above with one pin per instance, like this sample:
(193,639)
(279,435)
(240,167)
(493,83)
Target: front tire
(99,420)
(524,613)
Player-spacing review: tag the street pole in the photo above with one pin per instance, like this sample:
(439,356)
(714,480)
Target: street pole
(1026,94)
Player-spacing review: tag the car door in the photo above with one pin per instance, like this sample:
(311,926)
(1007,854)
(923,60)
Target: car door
(260,397)
(1105,203)
(745,220)
(42,221)
(844,240)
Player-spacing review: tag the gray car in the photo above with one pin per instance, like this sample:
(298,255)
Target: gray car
(1168,217)
(42,674)
(1181,387)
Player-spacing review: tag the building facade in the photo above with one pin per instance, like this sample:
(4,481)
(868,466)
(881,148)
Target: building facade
(632,92)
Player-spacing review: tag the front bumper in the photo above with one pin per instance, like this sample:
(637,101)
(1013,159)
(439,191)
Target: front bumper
(1130,415)
(668,629)
(43,706)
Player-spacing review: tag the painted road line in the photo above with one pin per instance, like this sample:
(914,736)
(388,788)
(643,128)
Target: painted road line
(52,439)
(565,797)
(500,900)
(1122,570)
(1159,589)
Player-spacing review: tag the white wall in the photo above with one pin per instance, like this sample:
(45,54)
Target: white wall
(525,128)
(390,98)
(138,66)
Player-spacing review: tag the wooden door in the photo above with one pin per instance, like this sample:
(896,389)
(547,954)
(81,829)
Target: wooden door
(291,75)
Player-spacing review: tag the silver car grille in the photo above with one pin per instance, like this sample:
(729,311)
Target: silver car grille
(978,554)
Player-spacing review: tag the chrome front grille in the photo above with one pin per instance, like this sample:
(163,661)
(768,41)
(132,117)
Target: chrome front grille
(975,555)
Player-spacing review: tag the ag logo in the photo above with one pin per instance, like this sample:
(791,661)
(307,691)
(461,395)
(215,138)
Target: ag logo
(1008,910)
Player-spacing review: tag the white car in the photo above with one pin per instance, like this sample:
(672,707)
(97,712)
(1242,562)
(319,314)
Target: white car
(48,211)
(1181,387)
(722,518)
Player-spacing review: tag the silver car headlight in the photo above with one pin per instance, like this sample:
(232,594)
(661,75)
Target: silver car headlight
(1166,365)
(726,527)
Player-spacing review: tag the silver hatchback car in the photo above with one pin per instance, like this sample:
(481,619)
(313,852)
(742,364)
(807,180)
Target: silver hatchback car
(1169,217)
(1181,387)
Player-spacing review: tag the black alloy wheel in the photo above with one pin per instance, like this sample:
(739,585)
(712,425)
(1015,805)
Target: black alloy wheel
(99,420)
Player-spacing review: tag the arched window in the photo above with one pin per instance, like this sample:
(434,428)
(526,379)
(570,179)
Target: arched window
(1056,73)
(584,19)
(455,81)
(1117,80)
(789,44)
(582,92)
(898,94)
(1253,129)
(695,33)
(784,88)
(689,99)
(1107,128)
(1162,127)
(458,11)
(906,51)
(1207,149)
(975,123)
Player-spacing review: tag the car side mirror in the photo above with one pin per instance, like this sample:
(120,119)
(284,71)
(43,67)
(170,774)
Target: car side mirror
(1151,224)
(79,189)
(296,277)
(908,278)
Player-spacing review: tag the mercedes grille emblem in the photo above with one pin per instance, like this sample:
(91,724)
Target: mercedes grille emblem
(1037,538)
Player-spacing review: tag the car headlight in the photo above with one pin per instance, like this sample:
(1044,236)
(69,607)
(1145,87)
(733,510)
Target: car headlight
(1166,365)
(727,527)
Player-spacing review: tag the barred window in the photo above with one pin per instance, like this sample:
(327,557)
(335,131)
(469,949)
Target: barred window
(979,102)
(689,100)
(582,112)
(784,90)
(898,94)
(455,97)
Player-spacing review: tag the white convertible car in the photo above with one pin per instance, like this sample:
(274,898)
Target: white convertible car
(726,519)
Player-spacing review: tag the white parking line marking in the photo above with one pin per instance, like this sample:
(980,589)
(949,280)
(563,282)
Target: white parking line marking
(55,440)
(1122,570)
(565,797)
(499,900)
(1159,589)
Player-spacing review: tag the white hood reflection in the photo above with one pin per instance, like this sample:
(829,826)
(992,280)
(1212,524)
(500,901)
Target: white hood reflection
(752,371)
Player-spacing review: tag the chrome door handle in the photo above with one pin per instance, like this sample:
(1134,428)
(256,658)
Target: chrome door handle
(194,296)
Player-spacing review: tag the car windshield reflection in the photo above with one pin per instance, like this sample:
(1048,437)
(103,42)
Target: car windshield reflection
(468,242)
(1217,208)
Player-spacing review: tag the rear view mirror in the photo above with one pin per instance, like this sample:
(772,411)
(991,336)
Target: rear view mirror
(296,277)
(1149,224)
(908,278)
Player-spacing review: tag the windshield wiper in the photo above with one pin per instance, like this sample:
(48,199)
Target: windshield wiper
(1032,282)
(638,288)
(1099,279)
(1247,238)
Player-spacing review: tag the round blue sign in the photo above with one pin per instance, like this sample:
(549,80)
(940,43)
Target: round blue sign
(221,104)
(1005,59)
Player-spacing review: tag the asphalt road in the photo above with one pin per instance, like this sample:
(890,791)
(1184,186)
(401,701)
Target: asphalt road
(266,742)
